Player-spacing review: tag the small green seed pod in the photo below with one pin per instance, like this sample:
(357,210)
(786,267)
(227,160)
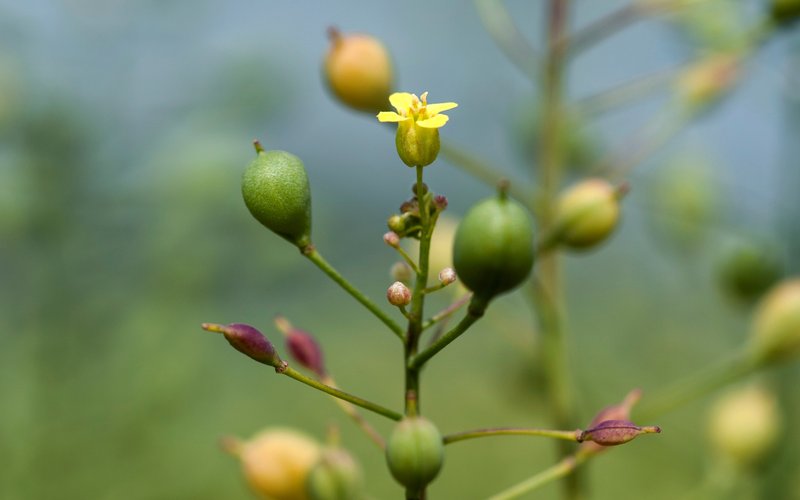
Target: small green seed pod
(336,476)
(586,214)
(748,269)
(415,452)
(493,247)
(275,190)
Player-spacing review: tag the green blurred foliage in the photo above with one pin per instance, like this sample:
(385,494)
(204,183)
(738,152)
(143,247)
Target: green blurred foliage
(119,237)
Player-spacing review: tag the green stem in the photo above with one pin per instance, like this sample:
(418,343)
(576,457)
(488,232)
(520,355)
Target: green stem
(548,298)
(363,403)
(311,253)
(418,299)
(557,471)
(695,386)
(511,431)
(474,312)
(500,25)
(483,171)
(354,414)
(447,312)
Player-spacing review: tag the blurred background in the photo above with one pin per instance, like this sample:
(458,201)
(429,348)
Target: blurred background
(124,131)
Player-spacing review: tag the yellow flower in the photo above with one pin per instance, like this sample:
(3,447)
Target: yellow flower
(418,122)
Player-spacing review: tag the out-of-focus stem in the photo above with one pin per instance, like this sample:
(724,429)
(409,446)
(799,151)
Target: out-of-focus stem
(548,294)
(354,414)
(695,386)
(483,171)
(559,470)
(501,27)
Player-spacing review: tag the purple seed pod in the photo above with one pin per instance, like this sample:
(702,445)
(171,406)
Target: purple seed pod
(615,432)
(249,341)
(304,349)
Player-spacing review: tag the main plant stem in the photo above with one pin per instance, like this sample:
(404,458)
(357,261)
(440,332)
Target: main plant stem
(416,312)
(548,294)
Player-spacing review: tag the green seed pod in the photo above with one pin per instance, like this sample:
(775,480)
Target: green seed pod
(586,214)
(748,269)
(415,452)
(335,477)
(776,328)
(275,190)
(493,247)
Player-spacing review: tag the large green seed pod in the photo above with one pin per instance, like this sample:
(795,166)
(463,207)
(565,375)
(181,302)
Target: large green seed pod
(415,452)
(493,247)
(275,190)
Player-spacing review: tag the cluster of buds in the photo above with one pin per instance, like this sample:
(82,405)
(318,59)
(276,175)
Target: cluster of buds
(407,223)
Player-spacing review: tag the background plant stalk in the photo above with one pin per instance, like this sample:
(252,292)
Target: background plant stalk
(548,289)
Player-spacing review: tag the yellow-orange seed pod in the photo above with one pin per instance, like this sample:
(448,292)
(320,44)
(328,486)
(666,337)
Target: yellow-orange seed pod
(358,70)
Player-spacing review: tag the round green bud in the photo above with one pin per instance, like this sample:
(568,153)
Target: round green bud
(415,452)
(586,214)
(747,270)
(493,247)
(336,476)
(275,190)
(776,327)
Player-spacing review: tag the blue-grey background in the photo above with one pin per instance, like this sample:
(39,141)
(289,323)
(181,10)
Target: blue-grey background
(124,129)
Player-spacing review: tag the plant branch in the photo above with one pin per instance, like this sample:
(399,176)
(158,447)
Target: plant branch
(311,253)
(512,431)
(337,393)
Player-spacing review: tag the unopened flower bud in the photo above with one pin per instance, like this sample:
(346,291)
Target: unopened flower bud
(776,327)
(336,476)
(440,202)
(744,424)
(276,463)
(392,239)
(397,224)
(619,411)
(615,432)
(302,346)
(358,71)
(401,271)
(249,341)
(447,276)
(398,294)
(586,214)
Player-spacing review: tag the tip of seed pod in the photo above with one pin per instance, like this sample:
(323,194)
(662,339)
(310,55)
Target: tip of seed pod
(502,188)
(333,33)
(258,146)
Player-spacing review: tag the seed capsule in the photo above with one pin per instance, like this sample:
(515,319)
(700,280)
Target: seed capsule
(415,452)
(493,247)
(586,214)
(275,190)
(358,71)
(336,476)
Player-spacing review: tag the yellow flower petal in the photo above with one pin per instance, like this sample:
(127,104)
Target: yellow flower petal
(433,122)
(391,116)
(440,107)
(401,101)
